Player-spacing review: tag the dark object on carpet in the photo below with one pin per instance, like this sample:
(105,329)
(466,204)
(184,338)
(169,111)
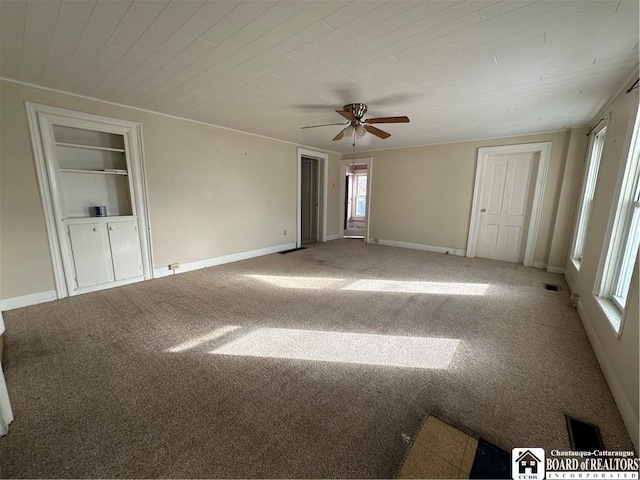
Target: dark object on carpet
(554,288)
(583,436)
(291,250)
(490,462)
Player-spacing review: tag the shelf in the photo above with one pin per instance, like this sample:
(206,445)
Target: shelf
(88,219)
(89,147)
(99,172)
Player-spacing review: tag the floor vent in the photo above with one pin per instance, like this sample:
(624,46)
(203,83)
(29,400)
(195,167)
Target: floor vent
(583,436)
(553,288)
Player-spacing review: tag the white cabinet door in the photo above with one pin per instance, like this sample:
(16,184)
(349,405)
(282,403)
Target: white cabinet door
(125,249)
(91,256)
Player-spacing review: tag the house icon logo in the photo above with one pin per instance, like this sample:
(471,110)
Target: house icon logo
(527,463)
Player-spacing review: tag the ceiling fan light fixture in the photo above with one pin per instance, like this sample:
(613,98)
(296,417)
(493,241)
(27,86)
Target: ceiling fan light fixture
(360,131)
(348,132)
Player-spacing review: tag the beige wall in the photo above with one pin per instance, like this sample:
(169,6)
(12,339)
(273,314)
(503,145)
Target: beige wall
(618,356)
(211,191)
(424,194)
(334,202)
(568,199)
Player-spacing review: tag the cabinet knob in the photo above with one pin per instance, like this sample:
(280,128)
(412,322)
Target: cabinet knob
(112,228)
(96,229)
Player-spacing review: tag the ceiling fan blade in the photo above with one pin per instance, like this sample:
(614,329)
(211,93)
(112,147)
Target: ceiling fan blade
(324,125)
(340,135)
(348,115)
(377,132)
(388,120)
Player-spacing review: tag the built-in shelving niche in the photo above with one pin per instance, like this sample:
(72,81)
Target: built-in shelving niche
(85,161)
(93,171)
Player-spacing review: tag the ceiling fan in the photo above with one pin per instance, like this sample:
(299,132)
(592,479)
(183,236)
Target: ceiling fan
(354,112)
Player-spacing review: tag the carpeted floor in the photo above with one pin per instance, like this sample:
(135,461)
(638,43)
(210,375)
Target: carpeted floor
(122,383)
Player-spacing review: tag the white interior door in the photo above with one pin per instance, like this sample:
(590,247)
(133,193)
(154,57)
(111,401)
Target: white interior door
(309,199)
(507,194)
(305,199)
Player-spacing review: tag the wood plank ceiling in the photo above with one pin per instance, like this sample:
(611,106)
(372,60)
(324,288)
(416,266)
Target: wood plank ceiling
(460,70)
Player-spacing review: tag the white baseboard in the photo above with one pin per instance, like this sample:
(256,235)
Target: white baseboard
(420,246)
(212,262)
(27,300)
(539,264)
(625,408)
(559,270)
(332,237)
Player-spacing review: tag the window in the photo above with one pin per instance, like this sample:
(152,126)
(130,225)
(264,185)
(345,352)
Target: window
(629,251)
(588,188)
(360,204)
(622,247)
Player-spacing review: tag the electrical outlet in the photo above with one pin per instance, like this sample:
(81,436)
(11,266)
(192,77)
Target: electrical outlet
(174,266)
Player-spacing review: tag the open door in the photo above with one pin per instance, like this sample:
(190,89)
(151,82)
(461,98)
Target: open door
(311,197)
(309,205)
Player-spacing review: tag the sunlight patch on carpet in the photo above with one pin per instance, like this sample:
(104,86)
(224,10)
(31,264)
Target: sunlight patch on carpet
(297,282)
(207,337)
(437,288)
(374,285)
(368,349)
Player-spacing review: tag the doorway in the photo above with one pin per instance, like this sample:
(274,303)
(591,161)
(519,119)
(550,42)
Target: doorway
(355,200)
(313,203)
(309,204)
(507,202)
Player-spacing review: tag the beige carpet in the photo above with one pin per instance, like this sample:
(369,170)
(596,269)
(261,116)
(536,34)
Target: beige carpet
(309,377)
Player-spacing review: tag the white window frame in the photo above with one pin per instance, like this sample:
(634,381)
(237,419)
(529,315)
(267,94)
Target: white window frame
(354,201)
(616,255)
(592,167)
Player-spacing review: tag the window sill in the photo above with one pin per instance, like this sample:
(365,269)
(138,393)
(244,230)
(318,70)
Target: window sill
(614,316)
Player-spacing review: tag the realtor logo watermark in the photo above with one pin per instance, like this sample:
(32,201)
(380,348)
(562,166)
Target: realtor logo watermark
(533,464)
(527,463)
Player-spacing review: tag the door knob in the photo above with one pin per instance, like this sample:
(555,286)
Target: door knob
(483,210)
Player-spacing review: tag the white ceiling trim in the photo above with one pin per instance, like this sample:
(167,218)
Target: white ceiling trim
(625,86)
(10,80)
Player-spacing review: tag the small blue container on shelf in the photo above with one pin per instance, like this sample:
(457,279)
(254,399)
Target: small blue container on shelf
(100,211)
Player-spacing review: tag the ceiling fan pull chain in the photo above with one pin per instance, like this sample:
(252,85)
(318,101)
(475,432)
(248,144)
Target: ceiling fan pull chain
(353,154)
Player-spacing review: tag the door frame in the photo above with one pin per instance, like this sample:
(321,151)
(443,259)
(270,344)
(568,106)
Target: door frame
(41,119)
(323,175)
(343,173)
(544,150)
